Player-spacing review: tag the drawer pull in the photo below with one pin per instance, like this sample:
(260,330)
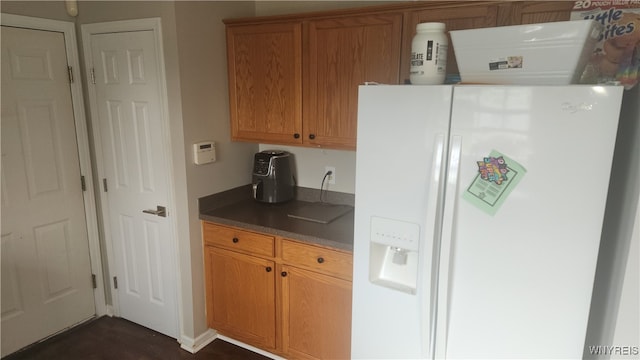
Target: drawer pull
(268,269)
(284,273)
(320,260)
(235,240)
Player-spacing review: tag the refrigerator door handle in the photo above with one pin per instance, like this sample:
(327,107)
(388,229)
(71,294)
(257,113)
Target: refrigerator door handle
(443,270)
(432,231)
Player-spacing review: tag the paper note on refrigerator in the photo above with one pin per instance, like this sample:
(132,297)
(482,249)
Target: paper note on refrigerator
(497,176)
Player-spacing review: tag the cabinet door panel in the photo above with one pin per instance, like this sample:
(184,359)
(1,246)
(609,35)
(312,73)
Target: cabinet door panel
(316,316)
(344,53)
(533,12)
(241,296)
(458,18)
(265,82)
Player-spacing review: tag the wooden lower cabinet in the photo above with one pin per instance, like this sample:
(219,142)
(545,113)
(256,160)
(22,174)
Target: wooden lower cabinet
(293,301)
(317,315)
(241,296)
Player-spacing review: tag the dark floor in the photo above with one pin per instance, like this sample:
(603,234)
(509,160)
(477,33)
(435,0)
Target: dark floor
(109,338)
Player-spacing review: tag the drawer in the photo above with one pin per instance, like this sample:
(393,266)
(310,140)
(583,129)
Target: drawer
(237,240)
(327,261)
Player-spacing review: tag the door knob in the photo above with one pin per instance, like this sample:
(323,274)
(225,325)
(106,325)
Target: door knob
(160,211)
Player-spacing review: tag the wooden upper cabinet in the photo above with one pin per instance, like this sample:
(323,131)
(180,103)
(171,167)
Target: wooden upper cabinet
(293,79)
(454,18)
(343,53)
(533,12)
(265,82)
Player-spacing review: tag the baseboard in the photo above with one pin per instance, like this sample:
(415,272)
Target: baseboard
(110,311)
(249,347)
(194,345)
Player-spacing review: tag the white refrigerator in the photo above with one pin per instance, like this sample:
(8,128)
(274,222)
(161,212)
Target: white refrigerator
(478,213)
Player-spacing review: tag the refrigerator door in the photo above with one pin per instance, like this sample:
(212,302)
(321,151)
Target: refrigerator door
(402,134)
(518,259)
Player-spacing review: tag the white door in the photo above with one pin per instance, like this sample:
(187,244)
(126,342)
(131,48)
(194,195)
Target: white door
(136,176)
(46,270)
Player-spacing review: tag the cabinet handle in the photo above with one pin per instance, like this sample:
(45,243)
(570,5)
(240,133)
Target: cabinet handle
(296,136)
(284,273)
(268,269)
(312,136)
(235,240)
(320,260)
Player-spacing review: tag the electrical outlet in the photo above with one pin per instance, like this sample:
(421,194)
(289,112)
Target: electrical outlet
(331,179)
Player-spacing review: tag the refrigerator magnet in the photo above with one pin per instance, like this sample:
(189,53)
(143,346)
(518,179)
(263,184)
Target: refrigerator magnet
(497,176)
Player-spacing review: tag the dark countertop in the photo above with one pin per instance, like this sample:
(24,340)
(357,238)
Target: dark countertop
(235,207)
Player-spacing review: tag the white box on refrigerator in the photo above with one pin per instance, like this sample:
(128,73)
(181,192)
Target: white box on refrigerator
(553,53)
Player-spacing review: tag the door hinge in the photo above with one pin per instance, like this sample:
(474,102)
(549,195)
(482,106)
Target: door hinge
(93,281)
(70,69)
(93,76)
(83,183)
(104,183)
(115,282)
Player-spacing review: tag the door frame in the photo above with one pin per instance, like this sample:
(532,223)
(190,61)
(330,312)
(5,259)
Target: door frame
(82,137)
(154,25)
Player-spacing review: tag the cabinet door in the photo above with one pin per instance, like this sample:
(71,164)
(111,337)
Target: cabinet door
(455,18)
(533,12)
(241,296)
(344,53)
(316,315)
(265,82)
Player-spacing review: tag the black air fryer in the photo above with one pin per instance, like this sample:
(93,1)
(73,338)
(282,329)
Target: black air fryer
(272,177)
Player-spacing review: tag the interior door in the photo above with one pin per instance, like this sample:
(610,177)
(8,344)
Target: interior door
(46,271)
(136,177)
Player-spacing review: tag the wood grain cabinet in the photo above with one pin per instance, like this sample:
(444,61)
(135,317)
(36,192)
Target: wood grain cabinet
(241,296)
(265,82)
(269,68)
(316,296)
(240,284)
(293,79)
(287,297)
(533,12)
(344,53)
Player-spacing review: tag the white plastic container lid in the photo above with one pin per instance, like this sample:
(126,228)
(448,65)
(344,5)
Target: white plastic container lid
(430,26)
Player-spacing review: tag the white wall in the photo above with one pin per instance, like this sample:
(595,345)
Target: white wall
(310,164)
(201,45)
(54,10)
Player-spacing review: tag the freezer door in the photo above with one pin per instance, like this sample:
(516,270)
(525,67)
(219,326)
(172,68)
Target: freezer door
(519,247)
(402,134)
